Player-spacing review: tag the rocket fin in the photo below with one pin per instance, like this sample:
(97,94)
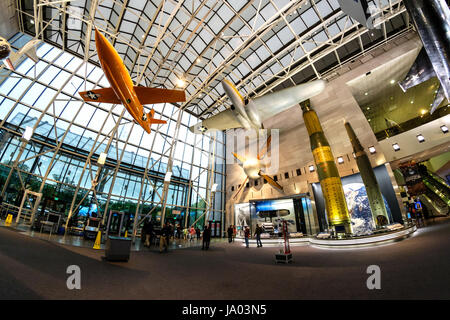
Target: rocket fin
(440,96)
(420,71)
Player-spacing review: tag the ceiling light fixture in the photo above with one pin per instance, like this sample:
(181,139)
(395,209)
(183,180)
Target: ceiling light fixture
(392,81)
(27,133)
(444,129)
(102,158)
(311,168)
(340,160)
(396,147)
(372,150)
(421,138)
(180,83)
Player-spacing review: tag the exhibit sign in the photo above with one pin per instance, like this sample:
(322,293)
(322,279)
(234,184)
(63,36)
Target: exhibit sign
(268,214)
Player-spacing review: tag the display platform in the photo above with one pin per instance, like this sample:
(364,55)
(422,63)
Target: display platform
(363,241)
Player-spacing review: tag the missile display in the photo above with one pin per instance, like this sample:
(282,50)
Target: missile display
(374,196)
(330,181)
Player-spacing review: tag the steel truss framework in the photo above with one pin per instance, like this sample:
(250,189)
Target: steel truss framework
(69,136)
(261,45)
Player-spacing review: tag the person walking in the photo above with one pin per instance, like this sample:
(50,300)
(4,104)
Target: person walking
(258,232)
(191,233)
(148,230)
(165,236)
(230,233)
(206,238)
(246,236)
(197,230)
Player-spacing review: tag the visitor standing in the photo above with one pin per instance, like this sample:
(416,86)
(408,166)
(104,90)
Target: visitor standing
(148,230)
(165,236)
(191,233)
(234,232)
(197,230)
(206,238)
(258,232)
(230,234)
(246,236)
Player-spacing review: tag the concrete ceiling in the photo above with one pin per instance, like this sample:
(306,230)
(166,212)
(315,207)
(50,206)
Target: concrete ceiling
(380,97)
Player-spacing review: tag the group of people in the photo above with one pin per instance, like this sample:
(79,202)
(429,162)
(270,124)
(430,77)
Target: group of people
(231,231)
(170,231)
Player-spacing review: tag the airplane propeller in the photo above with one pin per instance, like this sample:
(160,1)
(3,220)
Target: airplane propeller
(260,156)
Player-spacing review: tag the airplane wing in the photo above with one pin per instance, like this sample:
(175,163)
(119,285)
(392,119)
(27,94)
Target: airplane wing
(29,49)
(271,104)
(420,71)
(157,95)
(221,121)
(105,95)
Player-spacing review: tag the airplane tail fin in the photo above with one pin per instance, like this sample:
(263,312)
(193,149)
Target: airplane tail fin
(9,64)
(152,120)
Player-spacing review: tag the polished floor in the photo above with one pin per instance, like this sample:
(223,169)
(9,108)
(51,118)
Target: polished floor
(35,268)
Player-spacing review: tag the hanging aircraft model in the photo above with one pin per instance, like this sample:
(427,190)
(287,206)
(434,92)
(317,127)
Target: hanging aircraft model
(123,91)
(253,168)
(10,57)
(252,114)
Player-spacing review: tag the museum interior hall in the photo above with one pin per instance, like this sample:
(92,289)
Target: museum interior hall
(161,142)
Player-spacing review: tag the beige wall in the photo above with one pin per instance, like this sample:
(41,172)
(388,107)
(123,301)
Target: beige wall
(8,19)
(333,107)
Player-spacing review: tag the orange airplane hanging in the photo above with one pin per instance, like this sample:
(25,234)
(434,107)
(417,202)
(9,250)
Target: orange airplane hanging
(123,91)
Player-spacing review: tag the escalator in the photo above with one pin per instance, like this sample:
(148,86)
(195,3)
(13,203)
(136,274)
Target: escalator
(435,205)
(435,184)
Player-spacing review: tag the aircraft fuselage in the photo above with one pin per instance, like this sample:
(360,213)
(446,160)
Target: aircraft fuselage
(119,79)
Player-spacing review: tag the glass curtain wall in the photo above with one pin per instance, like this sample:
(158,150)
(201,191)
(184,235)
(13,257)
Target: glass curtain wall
(61,159)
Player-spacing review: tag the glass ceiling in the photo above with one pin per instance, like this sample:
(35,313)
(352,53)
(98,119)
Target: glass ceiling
(260,45)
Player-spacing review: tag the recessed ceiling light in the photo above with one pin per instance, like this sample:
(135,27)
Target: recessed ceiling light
(368,108)
(369,120)
(444,129)
(392,81)
(366,94)
(423,111)
(421,138)
(372,150)
(396,147)
(199,60)
(340,160)
(412,101)
(180,83)
(311,168)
